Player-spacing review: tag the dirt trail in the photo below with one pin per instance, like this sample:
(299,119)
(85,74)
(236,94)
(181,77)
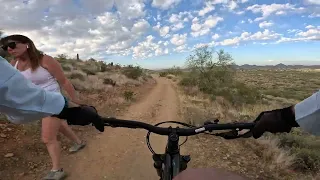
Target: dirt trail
(123,153)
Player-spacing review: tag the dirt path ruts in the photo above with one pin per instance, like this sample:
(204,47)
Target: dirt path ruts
(123,153)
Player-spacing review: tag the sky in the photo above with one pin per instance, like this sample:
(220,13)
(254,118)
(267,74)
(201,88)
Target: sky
(162,33)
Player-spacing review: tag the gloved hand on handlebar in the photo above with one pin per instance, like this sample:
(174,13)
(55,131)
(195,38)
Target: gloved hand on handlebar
(82,115)
(278,120)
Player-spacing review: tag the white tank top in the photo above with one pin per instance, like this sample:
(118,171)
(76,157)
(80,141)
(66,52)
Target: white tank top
(41,77)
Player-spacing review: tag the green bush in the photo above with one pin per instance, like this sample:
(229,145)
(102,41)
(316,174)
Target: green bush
(163,74)
(132,72)
(216,76)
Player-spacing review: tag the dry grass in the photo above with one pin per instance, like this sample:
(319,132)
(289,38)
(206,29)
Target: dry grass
(279,89)
(255,159)
(290,84)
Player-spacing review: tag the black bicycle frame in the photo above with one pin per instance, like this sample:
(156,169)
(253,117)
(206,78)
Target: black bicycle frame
(171,163)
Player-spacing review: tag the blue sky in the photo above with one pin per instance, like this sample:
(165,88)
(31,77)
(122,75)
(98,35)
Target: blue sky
(162,33)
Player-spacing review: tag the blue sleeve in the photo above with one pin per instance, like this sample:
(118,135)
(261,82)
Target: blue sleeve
(307,113)
(22,101)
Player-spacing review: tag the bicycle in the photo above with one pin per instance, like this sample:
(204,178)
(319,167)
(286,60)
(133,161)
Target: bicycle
(171,163)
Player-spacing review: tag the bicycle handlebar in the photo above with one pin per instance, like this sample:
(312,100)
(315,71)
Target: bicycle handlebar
(114,122)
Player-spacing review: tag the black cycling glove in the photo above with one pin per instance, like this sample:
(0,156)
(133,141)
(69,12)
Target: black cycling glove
(82,115)
(278,120)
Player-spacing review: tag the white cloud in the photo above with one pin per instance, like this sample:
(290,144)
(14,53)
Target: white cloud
(232,5)
(310,38)
(148,48)
(165,4)
(278,9)
(310,32)
(164,31)
(208,8)
(293,30)
(202,29)
(265,24)
(66,29)
(314,15)
(309,27)
(212,21)
(130,8)
(246,36)
(180,48)
(315,2)
(174,18)
(215,36)
(240,12)
(177,26)
(140,26)
(178,39)
(233,41)
(178,20)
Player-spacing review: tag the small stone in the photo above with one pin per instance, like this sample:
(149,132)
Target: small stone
(3,135)
(22,174)
(9,155)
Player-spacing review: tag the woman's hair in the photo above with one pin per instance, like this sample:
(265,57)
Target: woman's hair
(34,54)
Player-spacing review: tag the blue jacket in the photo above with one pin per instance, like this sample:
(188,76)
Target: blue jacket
(307,114)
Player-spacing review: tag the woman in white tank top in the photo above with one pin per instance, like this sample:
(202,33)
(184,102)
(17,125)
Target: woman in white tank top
(47,73)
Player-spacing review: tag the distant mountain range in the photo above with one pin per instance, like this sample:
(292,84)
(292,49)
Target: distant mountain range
(278,66)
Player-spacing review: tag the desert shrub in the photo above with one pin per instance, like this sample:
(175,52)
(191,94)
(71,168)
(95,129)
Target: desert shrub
(66,67)
(163,74)
(215,75)
(304,148)
(128,95)
(103,67)
(89,71)
(132,72)
(173,71)
(109,81)
(77,75)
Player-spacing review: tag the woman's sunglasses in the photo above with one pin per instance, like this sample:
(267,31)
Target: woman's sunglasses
(11,45)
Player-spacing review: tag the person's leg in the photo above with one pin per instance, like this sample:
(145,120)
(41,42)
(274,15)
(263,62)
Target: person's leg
(69,133)
(50,129)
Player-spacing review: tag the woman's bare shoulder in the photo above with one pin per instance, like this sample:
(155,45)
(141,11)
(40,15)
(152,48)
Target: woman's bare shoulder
(48,60)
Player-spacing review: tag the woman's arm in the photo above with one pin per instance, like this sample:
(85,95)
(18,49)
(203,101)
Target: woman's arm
(54,68)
